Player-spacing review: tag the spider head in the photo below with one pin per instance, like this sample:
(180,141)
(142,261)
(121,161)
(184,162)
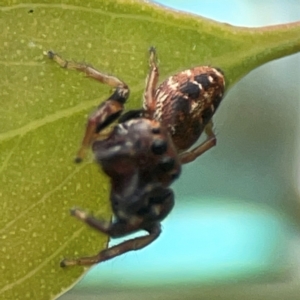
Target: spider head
(140,158)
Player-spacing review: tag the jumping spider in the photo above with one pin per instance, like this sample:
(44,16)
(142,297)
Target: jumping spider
(143,153)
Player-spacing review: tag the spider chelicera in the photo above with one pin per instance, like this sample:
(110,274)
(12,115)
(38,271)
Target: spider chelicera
(142,154)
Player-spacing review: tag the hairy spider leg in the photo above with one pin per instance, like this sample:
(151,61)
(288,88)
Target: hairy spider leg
(133,244)
(151,82)
(158,210)
(117,229)
(211,141)
(107,112)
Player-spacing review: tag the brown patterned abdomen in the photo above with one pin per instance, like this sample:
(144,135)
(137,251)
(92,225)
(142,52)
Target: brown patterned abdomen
(186,102)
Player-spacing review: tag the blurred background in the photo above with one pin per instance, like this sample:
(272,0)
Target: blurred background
(234,232)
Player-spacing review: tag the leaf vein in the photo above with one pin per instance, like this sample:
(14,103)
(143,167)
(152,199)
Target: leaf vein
(102,12)
(42,200)
(41,265)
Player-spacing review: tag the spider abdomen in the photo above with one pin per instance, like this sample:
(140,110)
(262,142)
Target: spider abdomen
(186,101)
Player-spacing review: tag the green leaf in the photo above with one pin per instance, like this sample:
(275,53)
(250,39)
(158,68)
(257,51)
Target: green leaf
(44,108)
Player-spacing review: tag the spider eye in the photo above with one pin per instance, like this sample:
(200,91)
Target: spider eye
(167,163)
(175,175)
(156,130)
(159,147)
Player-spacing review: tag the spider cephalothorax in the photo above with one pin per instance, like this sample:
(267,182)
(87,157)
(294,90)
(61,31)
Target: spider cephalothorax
(143,153)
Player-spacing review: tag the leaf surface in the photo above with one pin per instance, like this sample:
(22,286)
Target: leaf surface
(44,108)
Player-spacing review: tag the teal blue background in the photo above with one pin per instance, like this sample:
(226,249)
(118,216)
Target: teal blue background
(234,219)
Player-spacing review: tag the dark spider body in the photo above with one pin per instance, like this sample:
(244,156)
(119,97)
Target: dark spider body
(143,153)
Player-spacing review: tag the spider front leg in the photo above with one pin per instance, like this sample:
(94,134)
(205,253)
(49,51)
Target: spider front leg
(210,142)
(107,112)
(146,218)
(120,228)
